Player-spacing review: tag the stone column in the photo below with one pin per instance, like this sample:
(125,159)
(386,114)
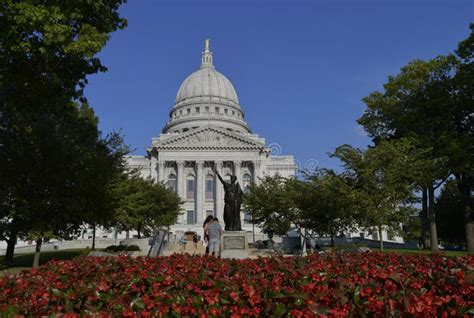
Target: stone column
(181,179)
(257,173)
(199,206)
(237,171)
(154,168)
(161,171)
(180,187)
(219,198)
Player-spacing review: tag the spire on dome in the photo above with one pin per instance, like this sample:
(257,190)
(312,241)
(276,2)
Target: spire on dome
(206,56)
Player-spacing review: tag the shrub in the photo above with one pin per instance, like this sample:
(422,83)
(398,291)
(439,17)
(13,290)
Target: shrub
(332,285)
(122,248)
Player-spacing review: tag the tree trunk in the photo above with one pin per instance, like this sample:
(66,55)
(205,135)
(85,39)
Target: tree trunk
(380,237)
(11,242)
(425,228)
(464,185)
(127,235)
(37,252)
(332,240)
(432,219)
(93,236)
(138,234)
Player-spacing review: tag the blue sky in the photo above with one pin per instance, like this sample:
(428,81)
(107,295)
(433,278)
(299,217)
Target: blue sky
(300,67)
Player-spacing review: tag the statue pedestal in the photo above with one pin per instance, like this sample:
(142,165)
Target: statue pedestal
(234,245)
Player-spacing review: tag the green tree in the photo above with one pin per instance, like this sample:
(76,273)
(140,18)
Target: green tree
(383,189)
(432,101)
(462,152)
(326,203)
(271,204)
(450,214)
(412,228)
(47,130)
(414,104)
(143,205)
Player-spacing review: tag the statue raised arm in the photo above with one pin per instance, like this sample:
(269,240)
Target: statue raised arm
(220,178)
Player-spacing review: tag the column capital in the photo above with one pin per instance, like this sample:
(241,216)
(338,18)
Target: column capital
(219,164)
(199,164)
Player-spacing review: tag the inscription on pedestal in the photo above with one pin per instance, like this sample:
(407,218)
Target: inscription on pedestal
(234,243)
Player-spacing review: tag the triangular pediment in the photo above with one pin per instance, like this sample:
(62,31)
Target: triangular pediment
(209,138)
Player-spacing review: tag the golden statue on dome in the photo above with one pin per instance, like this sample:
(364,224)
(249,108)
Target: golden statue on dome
(206,46)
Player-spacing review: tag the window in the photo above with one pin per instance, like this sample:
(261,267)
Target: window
(198,109)
(180,111)
(225,111)
(217,110)
(233,113)
(172,183)
(209,212)
(209,187)
(189,110)
(207,109)
(246,181)
(190,217)
(190,188)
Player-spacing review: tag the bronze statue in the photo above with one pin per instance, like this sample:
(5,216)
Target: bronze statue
(233,201)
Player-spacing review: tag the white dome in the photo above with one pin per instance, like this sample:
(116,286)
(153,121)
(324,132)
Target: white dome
(206,97)
(207,85)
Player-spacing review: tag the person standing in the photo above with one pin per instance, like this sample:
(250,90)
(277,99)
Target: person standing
(207,221)
(214,231)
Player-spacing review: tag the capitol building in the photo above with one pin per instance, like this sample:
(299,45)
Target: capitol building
(207,132)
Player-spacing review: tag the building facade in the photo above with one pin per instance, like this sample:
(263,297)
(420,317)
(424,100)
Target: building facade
(207,133)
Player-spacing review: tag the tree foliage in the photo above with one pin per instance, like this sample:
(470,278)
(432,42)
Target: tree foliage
(271,203)
(142,205)
(326,201)
(54,162)
(450,214)
(321,203)
(432,102)
(383,183)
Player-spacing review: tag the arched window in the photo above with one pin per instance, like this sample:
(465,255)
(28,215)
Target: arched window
(172,183)
(190,187)
(209,187)
(246,181)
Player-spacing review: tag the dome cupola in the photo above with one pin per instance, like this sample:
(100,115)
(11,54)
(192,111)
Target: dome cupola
(206,97)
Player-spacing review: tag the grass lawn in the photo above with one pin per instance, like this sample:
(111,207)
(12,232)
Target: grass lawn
(26,260)
(426,252)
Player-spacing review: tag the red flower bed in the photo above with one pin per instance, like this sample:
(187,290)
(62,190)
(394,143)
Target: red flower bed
(333,285)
